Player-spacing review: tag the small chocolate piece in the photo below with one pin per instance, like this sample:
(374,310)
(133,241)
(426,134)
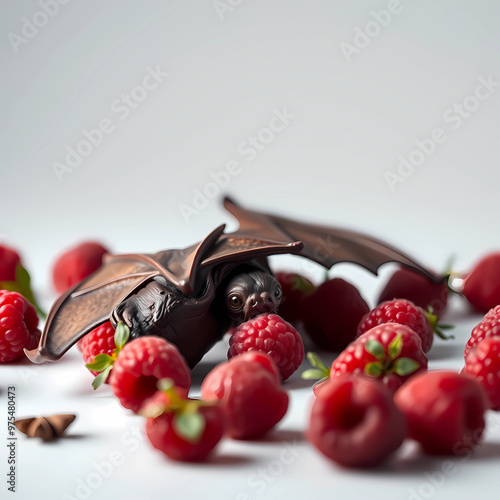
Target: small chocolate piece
(46,428)
(177,294)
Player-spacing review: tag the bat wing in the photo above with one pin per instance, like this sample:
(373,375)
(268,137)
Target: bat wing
(90,303)
(325,245)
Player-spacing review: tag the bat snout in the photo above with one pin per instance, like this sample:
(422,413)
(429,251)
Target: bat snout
(257,304)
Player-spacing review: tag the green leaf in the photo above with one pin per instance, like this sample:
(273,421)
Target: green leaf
(374,369)
(317,362)
(405,366)
(431,317)
(122,334)
(24,280)
(438,328)
(302,284)
(313,374)
(375,348)
(189,426)
(101,361)
(395,347)
(22,285)
(101,378)
(23,277)
(438,331)
(11,286)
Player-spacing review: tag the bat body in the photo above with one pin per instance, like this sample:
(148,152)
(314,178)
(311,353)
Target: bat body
(180,294)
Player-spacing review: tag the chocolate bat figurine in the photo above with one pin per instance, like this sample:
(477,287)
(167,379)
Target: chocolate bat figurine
(192,296)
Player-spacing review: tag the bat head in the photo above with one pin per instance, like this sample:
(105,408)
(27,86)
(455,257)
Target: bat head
(248,294)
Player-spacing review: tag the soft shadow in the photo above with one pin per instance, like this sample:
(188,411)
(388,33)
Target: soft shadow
(487,451)
(226,459)
(69,437)
(77,437)
(417,464)
(278,436)
(298,383)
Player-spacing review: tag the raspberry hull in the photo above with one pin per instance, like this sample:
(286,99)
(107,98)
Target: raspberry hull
(355,423)
(295,289)
(248,388)
(9,259)
(76,264)
(332,313)
(482,285)
(445,411)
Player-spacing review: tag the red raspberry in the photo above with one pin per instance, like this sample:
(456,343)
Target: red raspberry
(183,429)
(483,363)
(412,286)
(100,340)
(76,264)
(481,286)
(355,422)
(406,313)
(295,289)
(18,325)
(332,313)
(445,411)
(489,326)
(140,364)
(273,335)
(248,387)
(9,259)
(389,352)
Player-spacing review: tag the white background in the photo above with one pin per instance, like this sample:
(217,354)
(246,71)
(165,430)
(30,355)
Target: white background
(228,72)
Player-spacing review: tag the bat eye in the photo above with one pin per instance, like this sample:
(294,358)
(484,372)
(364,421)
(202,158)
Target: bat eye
(277,292)
(235,302)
